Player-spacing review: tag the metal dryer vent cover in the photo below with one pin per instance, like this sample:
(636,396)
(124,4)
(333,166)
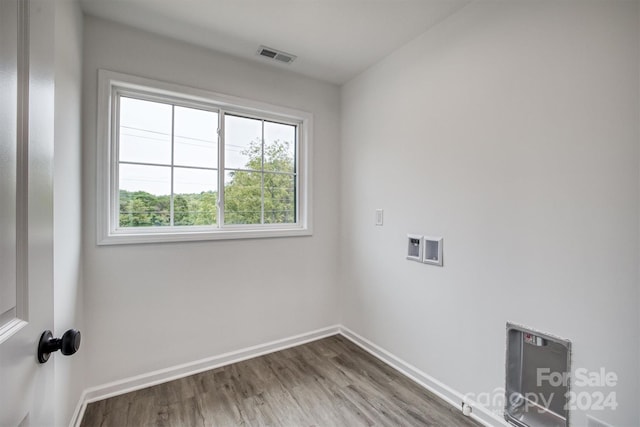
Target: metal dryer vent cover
(276,55)
(531,399)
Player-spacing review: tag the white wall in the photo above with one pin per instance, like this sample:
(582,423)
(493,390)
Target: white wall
(155,306)
(67,267)
(510,129)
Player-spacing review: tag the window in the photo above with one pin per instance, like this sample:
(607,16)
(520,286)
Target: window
(177,163)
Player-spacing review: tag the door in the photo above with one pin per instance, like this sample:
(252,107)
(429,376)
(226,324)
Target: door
(26,214)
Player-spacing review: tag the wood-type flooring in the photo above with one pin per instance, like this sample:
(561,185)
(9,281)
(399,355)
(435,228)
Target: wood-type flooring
(329,382)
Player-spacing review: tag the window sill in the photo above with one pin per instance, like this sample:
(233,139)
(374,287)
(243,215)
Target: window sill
(145,236)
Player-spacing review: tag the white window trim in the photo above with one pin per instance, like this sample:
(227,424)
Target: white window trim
(108,232)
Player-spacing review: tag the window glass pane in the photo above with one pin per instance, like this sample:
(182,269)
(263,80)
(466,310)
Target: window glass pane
(279,199)
(279,147)
(196,138)
(145,131)
(195,196)
(243,143)
(144,195)
(242,197)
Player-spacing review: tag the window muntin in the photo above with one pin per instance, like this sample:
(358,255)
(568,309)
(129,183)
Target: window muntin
(191,168)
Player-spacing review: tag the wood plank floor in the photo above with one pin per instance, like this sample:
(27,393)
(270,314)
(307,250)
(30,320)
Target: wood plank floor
(329,382)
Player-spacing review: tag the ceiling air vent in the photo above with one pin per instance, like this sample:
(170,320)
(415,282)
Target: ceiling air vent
(277,55)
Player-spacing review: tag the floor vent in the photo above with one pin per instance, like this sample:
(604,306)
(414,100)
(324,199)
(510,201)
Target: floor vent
(277,55)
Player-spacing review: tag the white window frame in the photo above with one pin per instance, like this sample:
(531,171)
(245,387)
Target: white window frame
(111,84)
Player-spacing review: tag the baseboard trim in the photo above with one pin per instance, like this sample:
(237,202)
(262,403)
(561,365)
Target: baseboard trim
(454,398)
(446,393)
(180,371)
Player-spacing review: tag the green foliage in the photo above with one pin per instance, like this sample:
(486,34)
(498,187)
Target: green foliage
(195,209)
(243,195)
(141,209)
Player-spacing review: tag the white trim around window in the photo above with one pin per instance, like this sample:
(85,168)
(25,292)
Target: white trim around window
(112,86)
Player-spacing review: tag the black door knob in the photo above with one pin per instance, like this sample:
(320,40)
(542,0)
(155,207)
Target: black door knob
(68,344)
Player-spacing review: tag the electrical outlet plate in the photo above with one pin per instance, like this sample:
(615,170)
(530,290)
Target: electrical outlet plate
(432,250)
(414,247)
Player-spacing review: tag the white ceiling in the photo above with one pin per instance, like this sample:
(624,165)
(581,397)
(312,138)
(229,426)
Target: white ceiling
(333,39)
